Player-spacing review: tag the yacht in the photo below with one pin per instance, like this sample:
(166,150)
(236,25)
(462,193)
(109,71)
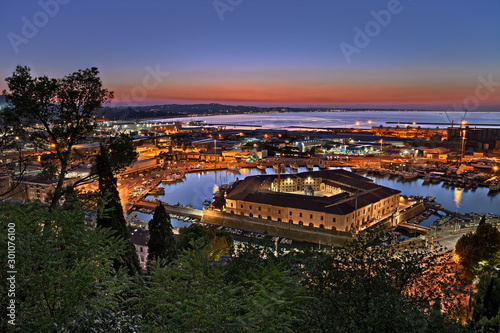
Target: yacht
(294,166)
(310,165)
(261,167)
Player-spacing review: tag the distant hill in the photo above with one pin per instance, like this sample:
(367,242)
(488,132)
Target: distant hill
(180,110)
(193,110)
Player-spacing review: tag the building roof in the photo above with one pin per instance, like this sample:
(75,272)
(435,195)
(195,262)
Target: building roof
(359,192)
(140,237)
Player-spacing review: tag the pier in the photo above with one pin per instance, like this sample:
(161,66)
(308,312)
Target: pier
(413,228)
(436,210)
(182,211)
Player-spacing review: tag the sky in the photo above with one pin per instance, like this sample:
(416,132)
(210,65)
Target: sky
(402,54)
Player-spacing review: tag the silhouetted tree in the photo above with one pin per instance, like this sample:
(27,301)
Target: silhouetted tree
(161,241)
(55,114)
(112,215)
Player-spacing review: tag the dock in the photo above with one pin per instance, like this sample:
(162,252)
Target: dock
(413,228)
(182,211)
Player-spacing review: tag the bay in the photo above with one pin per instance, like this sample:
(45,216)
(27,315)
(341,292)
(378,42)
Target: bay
(355,119)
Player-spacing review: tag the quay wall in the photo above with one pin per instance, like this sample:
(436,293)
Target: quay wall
(411,211)
(275,228)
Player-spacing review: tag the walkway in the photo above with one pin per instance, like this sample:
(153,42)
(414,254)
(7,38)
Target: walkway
(182,211)
(413,228)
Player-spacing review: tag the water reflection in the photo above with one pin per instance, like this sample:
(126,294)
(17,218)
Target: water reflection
(197,187)
(458,197)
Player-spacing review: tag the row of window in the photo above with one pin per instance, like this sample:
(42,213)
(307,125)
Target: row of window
(321,226)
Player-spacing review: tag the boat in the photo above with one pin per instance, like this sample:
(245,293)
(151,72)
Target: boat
(323,165)
(435,179)
(233,167)
(294,166)
(494,187)
(427,179)
(169,179)
(383,172)
(394,173)
(261,167)
(410,175)
(359,169)
(279,168)
(310,166)
(160,190)
(482,166)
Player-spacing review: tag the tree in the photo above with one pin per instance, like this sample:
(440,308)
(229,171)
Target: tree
(191,295)
(478,250)
(486,305)
(161,243)
(55,114)
(112,215)
(64,267)
(368,286)
(213,241)
(190,234)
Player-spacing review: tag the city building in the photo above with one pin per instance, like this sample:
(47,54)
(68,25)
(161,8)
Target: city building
(143,165)
(336,199)
(140,238)
(36,187)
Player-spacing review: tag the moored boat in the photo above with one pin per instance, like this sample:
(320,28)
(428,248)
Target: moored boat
(323,165)
(494,187)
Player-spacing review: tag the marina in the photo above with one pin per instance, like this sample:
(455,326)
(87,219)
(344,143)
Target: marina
(196,190)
